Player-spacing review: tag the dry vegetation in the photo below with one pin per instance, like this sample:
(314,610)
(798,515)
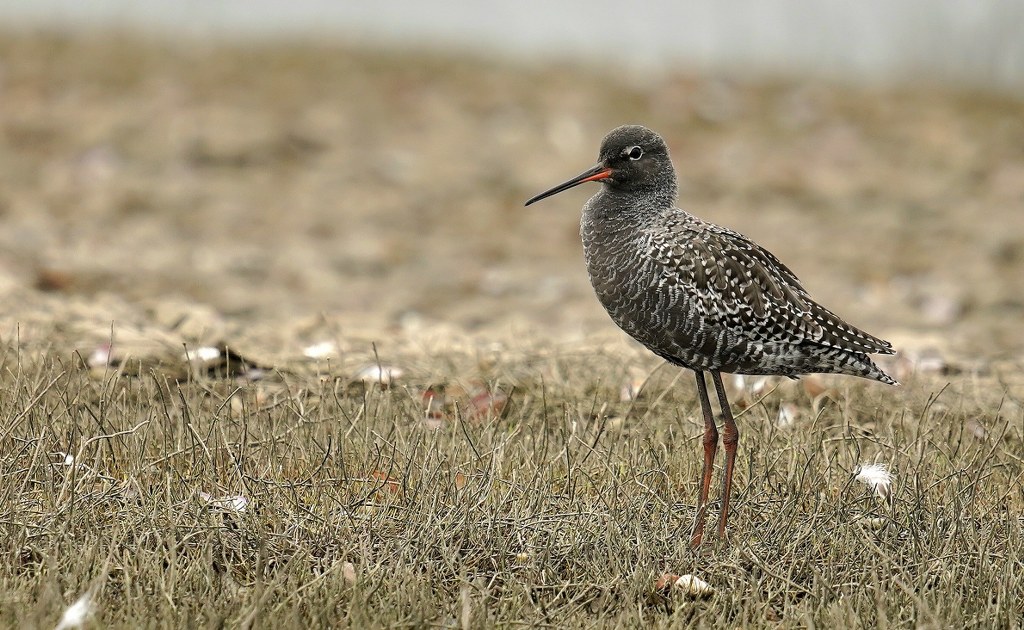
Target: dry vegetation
(159,199)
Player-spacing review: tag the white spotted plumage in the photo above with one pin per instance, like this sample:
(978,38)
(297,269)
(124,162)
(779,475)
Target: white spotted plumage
(707,298)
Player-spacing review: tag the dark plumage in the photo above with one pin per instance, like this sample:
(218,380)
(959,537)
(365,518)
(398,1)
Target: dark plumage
(699,295)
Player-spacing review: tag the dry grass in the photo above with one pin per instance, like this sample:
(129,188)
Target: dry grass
(271,198)
(561,511)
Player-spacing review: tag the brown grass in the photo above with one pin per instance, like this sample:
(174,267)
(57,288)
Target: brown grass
(361,513)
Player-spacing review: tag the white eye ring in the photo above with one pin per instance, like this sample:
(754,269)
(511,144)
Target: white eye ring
(634,153)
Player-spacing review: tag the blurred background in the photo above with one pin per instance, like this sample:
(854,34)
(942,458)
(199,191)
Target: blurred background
(262,172)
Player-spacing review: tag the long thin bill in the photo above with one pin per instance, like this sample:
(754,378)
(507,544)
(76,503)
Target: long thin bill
(594,174)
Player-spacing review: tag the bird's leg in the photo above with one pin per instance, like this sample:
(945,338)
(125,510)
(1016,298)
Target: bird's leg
(730,439)
(710,446)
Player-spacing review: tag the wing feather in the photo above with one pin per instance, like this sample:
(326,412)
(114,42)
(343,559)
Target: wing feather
(743,289)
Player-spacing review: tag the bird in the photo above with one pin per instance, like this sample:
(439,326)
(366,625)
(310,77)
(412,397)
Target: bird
(701,296)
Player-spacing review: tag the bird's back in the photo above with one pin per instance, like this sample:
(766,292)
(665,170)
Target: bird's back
(707,298)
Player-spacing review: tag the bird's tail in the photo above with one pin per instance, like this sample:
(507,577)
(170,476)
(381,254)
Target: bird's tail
(857,364)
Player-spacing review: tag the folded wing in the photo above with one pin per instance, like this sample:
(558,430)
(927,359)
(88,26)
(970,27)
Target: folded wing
(741,288)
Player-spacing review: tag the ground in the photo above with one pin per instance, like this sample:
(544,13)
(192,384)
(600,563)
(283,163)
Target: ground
(281,347)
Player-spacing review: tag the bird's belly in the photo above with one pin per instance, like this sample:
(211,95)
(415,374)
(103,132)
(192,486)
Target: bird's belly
(668,323)
(667,320)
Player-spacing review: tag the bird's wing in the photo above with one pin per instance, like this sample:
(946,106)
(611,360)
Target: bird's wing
(737,285)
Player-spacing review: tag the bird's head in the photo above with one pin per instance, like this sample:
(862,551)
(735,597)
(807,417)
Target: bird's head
(633,159)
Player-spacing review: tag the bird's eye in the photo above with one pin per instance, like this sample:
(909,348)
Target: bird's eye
(635,153)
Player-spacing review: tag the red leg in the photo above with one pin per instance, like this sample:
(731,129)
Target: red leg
(710,446)
(730,439)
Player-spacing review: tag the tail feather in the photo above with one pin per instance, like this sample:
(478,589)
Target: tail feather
(862,365)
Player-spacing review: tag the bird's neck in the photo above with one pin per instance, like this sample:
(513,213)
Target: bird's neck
(613,210)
